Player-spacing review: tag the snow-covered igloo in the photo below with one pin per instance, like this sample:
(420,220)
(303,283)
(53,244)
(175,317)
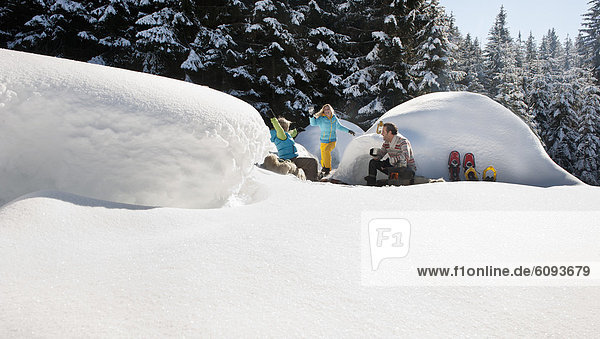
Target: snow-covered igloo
(438,123)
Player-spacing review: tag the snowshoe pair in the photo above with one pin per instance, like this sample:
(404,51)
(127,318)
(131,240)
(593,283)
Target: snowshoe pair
(471,174)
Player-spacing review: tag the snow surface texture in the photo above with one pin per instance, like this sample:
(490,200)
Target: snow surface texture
(439,123)
(122,136)
(75,267)
(310,139)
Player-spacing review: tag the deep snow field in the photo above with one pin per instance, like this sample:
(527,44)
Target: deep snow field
(131,206)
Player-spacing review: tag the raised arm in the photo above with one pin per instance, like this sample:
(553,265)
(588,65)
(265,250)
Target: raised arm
(280,133)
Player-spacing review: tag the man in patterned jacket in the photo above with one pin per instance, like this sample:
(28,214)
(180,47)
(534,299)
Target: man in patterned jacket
(399,152)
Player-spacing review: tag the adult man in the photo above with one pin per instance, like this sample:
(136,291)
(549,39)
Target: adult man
(399,152)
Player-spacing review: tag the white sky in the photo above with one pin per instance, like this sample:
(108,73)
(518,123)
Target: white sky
(538,16)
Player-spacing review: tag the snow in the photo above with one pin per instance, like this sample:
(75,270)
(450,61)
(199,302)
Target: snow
(66,5)
(287,259)
(116,135)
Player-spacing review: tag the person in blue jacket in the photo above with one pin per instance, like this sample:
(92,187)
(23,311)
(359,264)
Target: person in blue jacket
(283,139)
(328,124)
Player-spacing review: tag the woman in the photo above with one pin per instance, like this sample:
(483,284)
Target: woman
(328,123)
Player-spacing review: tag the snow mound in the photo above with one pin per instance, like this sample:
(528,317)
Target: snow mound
(310,139)
(121,136)
(438,123)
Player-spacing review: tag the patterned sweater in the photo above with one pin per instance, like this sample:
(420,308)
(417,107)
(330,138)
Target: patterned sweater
(399,151)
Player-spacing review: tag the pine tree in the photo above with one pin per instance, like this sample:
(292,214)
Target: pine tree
(163,36)
(502,59)
(561,133)
(216,52)
(389,58)
(591,37)
(588,144)
(531,53)
(470,62)
(497,53)
(13,16)
(362,22)
(323,52)
(433,50)
(113,33)
(277,69)
(53,30)
(529,59)
(554,47)
(392,55)
(458,60)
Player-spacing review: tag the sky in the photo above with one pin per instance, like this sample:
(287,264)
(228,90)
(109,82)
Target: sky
(538,16)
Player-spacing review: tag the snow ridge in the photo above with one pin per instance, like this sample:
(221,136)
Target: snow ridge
(121,136)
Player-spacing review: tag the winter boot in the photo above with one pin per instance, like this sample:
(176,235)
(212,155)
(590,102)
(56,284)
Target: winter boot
(371,180)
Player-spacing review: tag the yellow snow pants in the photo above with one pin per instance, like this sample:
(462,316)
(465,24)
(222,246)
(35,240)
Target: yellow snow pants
(326,149)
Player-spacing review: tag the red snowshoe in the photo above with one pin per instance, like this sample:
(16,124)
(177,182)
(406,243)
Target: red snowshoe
(469,167)
(454,166)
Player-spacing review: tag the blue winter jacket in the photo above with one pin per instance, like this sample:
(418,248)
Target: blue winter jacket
(328,127)
(286,149)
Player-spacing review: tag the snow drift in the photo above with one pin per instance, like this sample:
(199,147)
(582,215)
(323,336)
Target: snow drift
(438,123)
(121,136)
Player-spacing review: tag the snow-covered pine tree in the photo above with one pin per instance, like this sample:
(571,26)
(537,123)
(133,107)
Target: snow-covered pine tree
(469,61)
(463,71)
(505,81)
(529,57)
(477,69)
(561,137)
(387,39)
(53,28)
(164,32)
(458,59)
(591,37)
(362,22)
(519,47)
(429,71)
(13,16)
(554,47)
(272,58)
(560,134)
(535,85)
(531,53)
(322,50)
(496,53)
(216,51)
(388,58)
(587,145)
(114,33)
(539,96)
(587,165)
